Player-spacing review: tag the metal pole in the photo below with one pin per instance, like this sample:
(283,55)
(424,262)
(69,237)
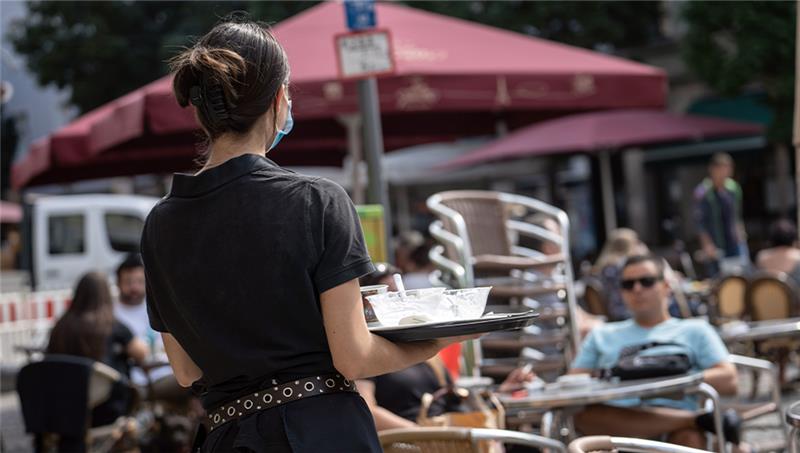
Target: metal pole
(796,139)
(607,188)
(352,123)
(377,191)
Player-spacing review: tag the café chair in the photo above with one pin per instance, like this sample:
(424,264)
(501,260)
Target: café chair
(771,296)
(728,299)
(793,420)
(480,243)
(594,298)
(483,230)
(58,396)
(751,408)
(598,444)
(460,440)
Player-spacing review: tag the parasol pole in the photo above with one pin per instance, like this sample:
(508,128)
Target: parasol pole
(607,191)
(796,134)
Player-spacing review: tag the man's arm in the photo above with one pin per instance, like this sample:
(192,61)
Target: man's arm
(137,350)
(722,377)
(702,220)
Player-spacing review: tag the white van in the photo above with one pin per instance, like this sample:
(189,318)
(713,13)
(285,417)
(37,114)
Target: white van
(66,236)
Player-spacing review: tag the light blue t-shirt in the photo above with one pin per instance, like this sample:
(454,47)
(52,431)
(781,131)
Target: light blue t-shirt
(698,339)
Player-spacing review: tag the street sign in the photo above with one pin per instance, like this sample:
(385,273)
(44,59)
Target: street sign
(360,14)
(364,54)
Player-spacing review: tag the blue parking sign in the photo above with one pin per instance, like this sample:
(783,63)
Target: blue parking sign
(360,14)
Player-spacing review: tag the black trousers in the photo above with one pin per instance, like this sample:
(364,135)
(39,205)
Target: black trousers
(332,423)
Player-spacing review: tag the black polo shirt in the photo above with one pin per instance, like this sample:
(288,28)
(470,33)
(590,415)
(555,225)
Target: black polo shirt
(235,260)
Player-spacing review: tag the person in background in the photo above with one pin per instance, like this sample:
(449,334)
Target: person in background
(784,254)
(9,252)
(382,275)
(88,329)
(405,244)
(131,310)
(418,274)
(586,321)
(395,398)
(646,294)
(718,212)
(621,243)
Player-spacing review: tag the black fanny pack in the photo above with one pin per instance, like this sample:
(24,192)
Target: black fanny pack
(634,363)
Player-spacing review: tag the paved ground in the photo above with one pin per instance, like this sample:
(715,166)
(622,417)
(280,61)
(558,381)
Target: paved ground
(12,428)
(762,432)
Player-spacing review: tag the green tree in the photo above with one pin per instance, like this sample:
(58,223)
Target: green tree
(604,26)
(9,139)
(738,46)
(102,50)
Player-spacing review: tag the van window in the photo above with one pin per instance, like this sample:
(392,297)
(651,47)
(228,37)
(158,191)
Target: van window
(124,232)
(66,234)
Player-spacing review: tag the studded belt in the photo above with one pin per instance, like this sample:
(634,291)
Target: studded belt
(277,395)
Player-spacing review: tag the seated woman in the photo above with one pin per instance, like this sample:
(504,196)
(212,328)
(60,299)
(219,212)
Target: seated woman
(395,398)
(88,329)
(784,255)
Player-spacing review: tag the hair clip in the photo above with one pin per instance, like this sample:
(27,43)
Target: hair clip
(216,102)
(195,96)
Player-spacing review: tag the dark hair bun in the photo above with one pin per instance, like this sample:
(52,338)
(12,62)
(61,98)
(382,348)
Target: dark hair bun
(231,75)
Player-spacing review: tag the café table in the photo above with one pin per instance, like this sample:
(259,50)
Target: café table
(793,419)
(565,400)
(762,330)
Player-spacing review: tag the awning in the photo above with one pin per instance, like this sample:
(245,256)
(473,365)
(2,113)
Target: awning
(10,212)
(454,78)
(605,131)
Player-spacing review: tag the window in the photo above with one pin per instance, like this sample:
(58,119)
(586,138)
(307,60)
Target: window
(66,234)
(124,232)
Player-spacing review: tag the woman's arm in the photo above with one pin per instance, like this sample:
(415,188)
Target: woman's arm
(356,352)
(186,371)
(384,418)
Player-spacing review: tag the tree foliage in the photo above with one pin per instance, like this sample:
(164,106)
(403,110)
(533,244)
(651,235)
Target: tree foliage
(738,46)
(601,25)
(9,139)
(102,50)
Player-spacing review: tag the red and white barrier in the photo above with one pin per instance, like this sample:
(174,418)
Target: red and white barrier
(26,319)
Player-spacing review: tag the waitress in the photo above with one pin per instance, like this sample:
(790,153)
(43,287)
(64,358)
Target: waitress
(252,270)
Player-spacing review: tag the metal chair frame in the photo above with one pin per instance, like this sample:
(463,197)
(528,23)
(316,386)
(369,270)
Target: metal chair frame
(597,444)
(471,436)
(793,422)
(769,369)
(459,272)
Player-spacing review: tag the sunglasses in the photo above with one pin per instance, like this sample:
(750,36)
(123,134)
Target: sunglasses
(646,282)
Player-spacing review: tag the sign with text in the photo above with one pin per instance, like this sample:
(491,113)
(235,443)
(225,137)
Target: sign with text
(364,54)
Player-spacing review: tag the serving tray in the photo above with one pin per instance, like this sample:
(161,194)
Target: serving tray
(433,330)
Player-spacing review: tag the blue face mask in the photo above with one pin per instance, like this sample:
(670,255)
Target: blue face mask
(287,127)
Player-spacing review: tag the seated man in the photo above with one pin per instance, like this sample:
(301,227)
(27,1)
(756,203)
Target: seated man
(646,295)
